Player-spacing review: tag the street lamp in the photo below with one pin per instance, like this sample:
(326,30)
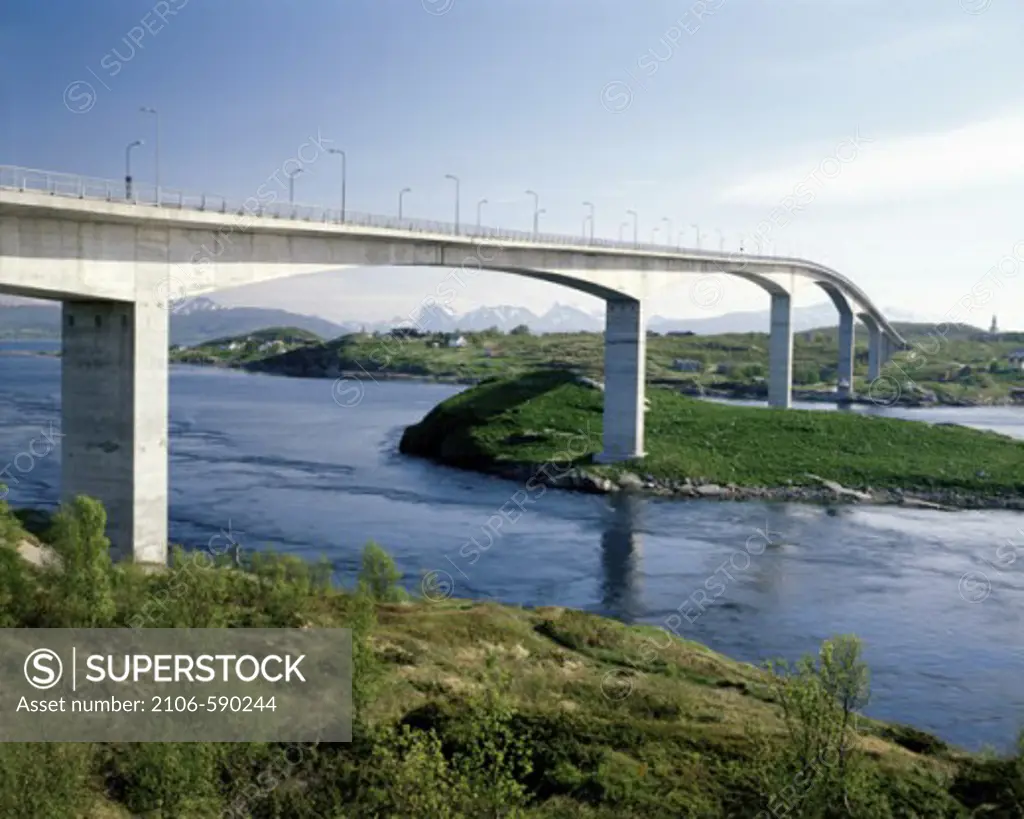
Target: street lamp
(402,193)
(455,179)
(721,239)
(156,116)
(128,167)
(291,184)
(696,230)
(536,209)
(591,206)
(636,222)
(479,205)
(668,232)
(344,162)
(654,235)
(741,244)
(622,227)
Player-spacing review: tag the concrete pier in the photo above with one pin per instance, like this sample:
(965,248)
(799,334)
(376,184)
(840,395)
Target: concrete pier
(114,420)
(780,351)
(875,349)
(847,338)
(625,359)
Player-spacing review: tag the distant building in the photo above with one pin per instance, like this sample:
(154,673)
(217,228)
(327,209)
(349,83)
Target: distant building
(457,341)
(994,329)
(1016,359)
(687,365)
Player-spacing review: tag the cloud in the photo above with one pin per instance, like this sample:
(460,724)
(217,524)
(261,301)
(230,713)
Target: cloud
(980,154)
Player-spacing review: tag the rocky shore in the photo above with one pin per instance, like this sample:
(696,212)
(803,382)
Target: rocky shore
(823,491)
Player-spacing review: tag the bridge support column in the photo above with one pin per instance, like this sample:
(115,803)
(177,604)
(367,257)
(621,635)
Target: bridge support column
(625,359)
(847,336)
(875,352)
(887,350)
(114,420)
(780,352)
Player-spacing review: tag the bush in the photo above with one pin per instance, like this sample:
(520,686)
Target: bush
(81,587)
(819,770)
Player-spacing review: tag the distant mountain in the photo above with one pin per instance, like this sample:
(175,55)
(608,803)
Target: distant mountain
(563,318)
(195,321)
(202,319)
(811,317)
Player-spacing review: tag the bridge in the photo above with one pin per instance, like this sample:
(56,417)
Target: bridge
(119,261)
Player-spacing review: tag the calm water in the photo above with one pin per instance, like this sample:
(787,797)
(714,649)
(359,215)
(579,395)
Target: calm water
(283,465)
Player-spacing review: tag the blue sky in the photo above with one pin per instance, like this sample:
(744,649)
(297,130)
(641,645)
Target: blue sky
(707,112)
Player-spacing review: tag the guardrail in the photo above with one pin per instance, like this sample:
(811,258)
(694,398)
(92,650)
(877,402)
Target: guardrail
(83,187)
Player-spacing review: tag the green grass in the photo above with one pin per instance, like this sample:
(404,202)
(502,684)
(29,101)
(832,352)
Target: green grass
(548,417)
(464,709)
(962,365)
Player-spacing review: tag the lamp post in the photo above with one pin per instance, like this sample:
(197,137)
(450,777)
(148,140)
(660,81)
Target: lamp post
(128,167)
(668,231)
(156,116)
(402,193)
(591,206)
(696,231)
(536,221)
(291,184)
(741,244)
(480,205)
(636,222)
(622,227)
(721,239)
(455,179)
(536,209)
(654,235)
(344,162)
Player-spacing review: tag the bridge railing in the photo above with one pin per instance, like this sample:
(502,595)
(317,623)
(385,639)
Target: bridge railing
(83,187)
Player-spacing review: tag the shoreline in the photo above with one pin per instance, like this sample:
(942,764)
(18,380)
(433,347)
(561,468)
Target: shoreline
(826,493)
(682,387)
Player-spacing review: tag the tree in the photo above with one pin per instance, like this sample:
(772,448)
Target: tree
(520,330)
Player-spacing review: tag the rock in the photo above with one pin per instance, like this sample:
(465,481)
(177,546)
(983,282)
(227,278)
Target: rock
(918,503)
(839,489)
(630,482)
(710,490)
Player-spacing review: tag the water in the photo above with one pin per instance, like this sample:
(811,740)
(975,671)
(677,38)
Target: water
(281,464)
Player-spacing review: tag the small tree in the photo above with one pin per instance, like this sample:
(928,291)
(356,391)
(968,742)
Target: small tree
(818,769)
(519,330)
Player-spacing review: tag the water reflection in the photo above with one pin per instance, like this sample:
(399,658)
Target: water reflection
(621,551)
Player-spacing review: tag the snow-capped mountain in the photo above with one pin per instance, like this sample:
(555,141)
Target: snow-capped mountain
(200,304)
(436,318)
(564,318)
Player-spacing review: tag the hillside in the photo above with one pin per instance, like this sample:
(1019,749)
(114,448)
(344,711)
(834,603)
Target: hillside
(465,710)
(965,368)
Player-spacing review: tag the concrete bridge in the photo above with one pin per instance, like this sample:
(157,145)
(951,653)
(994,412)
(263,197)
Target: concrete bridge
(118,265)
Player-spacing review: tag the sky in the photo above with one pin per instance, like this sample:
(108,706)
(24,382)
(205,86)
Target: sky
(884,139)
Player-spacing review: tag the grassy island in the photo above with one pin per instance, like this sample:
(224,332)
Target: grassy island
(516,426)
(467,710)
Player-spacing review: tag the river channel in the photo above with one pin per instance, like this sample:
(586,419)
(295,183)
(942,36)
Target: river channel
(283,465)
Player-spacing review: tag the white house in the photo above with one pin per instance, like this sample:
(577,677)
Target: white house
(1016,359)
